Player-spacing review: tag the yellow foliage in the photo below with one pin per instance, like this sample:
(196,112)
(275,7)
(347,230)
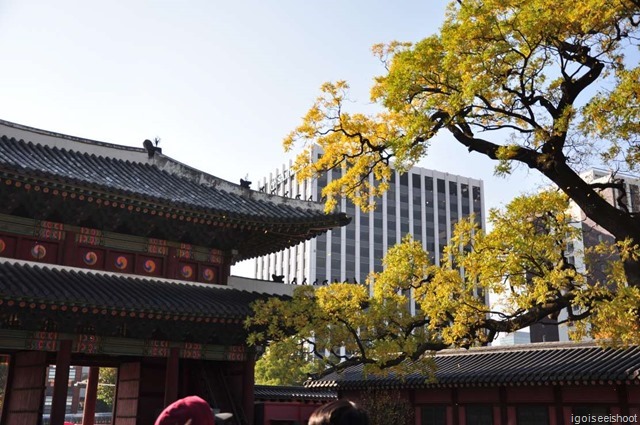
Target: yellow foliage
(494,65)
(522,260)
(551,74)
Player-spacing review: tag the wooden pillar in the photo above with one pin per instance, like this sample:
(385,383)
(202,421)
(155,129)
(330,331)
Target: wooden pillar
(504,414)
(225,270)
(127,394)
(90,396)
(455,405)
(25,388)
(248,379)
(171,376)
(557,403)
(60,386)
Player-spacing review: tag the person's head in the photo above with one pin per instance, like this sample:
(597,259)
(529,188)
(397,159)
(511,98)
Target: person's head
(339,412)
(190,410)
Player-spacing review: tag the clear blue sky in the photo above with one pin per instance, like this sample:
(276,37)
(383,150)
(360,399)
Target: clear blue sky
(221,83)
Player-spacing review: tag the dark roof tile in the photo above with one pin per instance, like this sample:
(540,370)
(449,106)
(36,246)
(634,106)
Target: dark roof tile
(491,366)
(149,181)
(293,393)
(25,281)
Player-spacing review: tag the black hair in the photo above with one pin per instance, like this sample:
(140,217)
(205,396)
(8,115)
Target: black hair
(339,412)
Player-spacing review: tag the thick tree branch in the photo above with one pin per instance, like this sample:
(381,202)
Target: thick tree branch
(473,144)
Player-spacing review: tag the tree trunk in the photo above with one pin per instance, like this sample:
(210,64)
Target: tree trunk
(619,223)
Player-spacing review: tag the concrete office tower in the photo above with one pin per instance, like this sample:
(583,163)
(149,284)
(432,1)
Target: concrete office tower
(592,234)
(424,203)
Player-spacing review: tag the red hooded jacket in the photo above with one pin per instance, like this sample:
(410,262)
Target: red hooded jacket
(189,408)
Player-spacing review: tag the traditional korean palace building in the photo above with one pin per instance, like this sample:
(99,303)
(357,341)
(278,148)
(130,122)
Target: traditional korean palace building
(285,405)
(120,257)
(529,384)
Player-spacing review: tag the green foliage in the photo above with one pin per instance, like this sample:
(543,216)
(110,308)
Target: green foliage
(522,260)
(107,386)
(286,363)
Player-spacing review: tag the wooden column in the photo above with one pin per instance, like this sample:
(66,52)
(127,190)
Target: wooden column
(557,403)
(171,376)
(90,396)
(455,405)
(127,394)
(225,271)
(248,379)
(504,414)
(25,388)
(60,386)
(623,399)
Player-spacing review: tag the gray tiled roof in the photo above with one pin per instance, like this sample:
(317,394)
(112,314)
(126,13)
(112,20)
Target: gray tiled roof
(147,181)
(51,285)
(531,364)
(292,393)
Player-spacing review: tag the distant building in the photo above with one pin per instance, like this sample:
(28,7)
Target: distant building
(514,338)
(424,203)
(591,235)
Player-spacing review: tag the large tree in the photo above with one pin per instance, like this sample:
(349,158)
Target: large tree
(285,363)
(107,388)
(545,83)
(523,260)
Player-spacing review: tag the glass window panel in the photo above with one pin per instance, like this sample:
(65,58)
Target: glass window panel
(532,415)
(433,415)
(479,415)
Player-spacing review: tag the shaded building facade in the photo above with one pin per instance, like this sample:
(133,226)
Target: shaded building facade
(625,196)
(421,202)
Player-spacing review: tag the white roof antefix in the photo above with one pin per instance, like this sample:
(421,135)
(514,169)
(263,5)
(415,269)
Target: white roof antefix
(140,155)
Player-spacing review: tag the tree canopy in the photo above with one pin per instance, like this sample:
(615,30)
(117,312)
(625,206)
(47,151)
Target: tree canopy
(285,363)
(107,386)
(552,85)
(523,260)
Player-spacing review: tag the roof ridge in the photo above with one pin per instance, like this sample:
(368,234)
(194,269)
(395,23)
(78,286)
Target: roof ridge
(120,154)
(63,136)
(534,346)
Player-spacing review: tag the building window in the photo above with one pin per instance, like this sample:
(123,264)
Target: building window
(433,415)
(464,198)
(442,216)
(479,415)
(532,415)
(391,212)
(429,216)
(453,204)
(477,204)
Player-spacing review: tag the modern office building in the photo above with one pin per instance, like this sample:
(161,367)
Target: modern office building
(591,234)
(421,202)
